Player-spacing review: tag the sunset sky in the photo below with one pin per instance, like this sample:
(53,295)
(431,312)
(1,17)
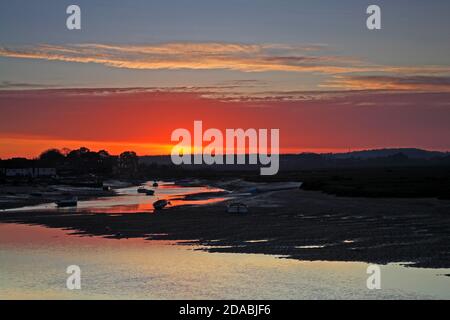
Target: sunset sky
(140,69)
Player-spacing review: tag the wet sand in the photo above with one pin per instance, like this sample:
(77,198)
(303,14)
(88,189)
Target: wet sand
(297,224)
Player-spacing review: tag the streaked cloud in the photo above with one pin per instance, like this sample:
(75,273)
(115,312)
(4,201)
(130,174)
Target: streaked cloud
(316,60)
(226,94)
(23,85)
(231,91)
(391,82)
(196,56)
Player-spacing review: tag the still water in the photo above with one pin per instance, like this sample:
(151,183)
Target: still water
(33,261)
(128,200)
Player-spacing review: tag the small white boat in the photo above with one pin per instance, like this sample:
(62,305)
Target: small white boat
(72,202)
(160,204)
(141,190)
(237,208)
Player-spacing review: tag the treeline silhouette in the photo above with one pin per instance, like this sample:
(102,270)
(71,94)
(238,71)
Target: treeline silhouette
(128,165)
(383,175)
(80,162)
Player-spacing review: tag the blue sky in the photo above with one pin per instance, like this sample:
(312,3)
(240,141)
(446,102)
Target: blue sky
(414,33)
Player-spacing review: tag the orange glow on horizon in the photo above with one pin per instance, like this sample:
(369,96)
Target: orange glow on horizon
(32,148)
(34,121)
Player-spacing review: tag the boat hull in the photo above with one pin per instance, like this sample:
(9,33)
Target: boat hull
(67,204)
(160,204)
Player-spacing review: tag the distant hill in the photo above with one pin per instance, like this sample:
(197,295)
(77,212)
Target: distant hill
(411,153)
(356,159)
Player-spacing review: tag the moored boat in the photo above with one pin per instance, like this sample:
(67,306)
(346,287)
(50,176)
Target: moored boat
(237,208)
(160,204)
(141,190)
(72,202)
(146,191)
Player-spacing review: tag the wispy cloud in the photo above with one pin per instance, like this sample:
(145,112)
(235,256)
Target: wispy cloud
(231,56)
(391,82)
(341,72)
(23,85)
